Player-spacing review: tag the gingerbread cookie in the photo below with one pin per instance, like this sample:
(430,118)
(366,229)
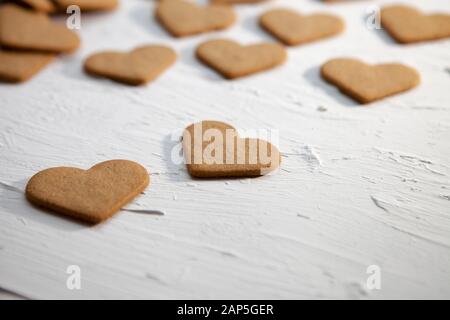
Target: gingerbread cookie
(233,60)
(25,30)
(88,5)
(366,83)
(183,18)
(18,66)
(46,6)
(213,149)
(236,1)
(92,195)
(138,67)
(408,25)
(341,0)
(293,29)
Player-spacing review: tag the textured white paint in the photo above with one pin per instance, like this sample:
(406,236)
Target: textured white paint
(358,185)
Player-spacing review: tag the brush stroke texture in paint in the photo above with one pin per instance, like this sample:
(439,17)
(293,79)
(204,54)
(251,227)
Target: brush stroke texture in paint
(358,186)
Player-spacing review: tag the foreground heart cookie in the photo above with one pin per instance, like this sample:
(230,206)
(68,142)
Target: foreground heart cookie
(213,149)
(26,30)
(233,60)
(408,25)
(92,195)
(183,18)
(366,83)
(88,5)
(236,1)
(331,1)
(54,6)
(46,6)
(18,66)
(293,29)
(135,68)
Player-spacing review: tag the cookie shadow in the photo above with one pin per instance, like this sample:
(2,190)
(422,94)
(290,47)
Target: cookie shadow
(73,67)
(147,20)
(381,33)
(189,58)
(312,75)
(252,24)
(14,202)
(385,37)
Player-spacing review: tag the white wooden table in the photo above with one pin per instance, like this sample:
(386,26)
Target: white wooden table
(359,186)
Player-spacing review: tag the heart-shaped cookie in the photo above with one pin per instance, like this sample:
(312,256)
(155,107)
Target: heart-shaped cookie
(88,5)
(408,25)
(138,67)
(233,60)
(26,30)
(18,66)
(293,29)
(46,6)
(213,149)
(366,83)
(183,18)
(53,6)
(236,1)
(92,195)
(331,1)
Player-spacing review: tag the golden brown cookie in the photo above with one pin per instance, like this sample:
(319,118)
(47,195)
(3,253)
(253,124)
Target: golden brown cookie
(293,29)
(26,30)
(92,195)
(233,60)
(183,18)
(366,83)
(341,0)
(60,6)
(236,1)
(46,6)
(408,25)
(18,66)
(213,149)
(88,5)
(138,67)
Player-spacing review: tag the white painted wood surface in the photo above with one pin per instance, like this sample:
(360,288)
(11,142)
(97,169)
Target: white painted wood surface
(358,185)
